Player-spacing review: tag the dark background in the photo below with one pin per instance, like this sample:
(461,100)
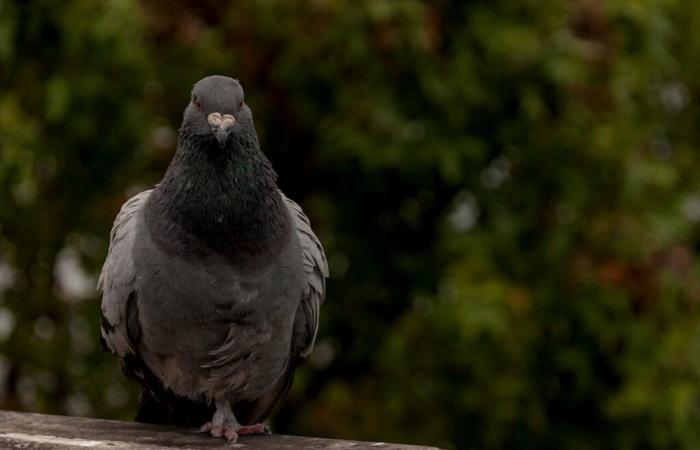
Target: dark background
(507,193)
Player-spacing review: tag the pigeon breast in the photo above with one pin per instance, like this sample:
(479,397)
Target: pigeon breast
(210,327)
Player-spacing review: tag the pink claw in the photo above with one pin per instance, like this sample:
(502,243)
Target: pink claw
(231,435)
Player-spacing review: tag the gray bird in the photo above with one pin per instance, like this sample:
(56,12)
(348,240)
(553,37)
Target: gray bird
(212,286)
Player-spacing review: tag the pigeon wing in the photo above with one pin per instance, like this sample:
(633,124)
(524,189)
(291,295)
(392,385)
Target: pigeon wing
(118,277)
(316,269)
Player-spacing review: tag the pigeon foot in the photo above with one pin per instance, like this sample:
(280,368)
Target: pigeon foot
(223,423)
(227,431)
(256,428)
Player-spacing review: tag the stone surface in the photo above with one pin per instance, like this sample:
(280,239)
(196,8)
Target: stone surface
(40,431)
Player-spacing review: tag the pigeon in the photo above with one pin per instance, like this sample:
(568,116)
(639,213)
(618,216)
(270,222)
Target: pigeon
(213,281)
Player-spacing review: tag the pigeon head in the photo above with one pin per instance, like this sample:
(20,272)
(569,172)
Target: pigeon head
(217,109)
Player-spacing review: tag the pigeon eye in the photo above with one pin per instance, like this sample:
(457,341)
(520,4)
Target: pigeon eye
(240,105)
(197,103)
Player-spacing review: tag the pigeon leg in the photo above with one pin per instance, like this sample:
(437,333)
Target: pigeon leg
(223,423)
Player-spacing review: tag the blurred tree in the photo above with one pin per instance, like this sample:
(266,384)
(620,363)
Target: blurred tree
(71,120)
(506,192)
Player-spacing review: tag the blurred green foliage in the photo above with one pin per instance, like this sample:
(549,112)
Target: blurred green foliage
(507,192)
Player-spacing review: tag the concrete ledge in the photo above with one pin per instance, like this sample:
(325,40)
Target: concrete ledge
(41,431)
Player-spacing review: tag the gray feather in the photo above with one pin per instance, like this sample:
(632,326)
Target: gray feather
(316,269)
(118,277)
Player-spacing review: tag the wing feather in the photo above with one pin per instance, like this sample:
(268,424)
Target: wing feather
(118,277)
(316,268)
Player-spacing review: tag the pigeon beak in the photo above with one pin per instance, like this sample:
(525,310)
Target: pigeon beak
(221,126)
